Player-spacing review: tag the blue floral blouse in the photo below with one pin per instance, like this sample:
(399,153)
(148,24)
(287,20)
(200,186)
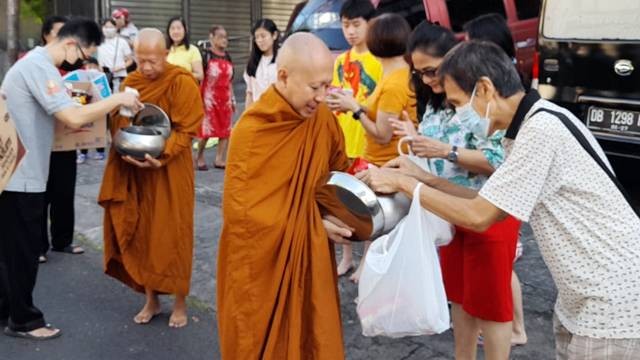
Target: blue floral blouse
(443,125)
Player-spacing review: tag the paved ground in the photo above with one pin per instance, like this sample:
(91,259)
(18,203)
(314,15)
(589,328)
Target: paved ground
(95,311)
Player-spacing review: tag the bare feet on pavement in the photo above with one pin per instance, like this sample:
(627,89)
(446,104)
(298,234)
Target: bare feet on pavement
(179,316)
(149,311)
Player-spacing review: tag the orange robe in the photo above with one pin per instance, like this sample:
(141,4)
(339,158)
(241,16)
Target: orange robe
(148,213)
(277,290)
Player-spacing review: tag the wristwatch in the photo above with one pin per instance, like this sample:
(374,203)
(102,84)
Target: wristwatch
(453,154)
(357,113)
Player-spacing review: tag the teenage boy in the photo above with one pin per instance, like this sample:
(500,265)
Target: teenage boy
(355,70)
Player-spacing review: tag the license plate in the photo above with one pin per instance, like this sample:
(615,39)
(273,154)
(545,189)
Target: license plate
(611,120)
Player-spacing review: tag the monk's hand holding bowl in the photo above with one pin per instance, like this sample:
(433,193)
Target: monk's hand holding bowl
(338,231)
(342,101)
(148,163)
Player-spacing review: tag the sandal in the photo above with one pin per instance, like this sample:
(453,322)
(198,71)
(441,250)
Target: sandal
(203,167)
(219,166)
(42,259)
(71,249)
(27,334)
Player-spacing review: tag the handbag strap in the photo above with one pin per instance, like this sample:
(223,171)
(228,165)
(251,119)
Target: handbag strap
(591,151)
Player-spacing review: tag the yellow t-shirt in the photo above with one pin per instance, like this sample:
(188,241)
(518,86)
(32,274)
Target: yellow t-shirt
(362,76)
(180,56)
(392,95)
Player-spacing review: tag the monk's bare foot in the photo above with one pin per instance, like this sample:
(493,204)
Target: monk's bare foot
(149,311)
(346,264)
(179,316)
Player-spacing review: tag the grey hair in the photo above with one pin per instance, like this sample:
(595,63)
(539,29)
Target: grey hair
(467,62)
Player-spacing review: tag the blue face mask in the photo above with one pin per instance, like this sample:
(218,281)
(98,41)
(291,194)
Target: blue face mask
(468,115)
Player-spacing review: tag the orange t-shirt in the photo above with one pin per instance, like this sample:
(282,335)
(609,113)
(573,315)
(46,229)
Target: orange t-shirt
(392,95)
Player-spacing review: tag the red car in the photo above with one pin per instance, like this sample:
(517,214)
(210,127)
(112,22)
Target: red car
(322,17)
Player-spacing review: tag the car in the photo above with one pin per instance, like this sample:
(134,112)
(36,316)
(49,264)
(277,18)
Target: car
(322,17)
(586,63)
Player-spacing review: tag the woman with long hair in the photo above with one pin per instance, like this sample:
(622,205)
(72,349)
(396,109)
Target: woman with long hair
(475,266)
(261,69)
(181,52)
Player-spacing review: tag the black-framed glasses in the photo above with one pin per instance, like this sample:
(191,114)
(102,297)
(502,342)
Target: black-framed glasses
(83,55)
(428,72)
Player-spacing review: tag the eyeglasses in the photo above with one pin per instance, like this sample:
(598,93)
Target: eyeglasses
(83,55)
(428,72)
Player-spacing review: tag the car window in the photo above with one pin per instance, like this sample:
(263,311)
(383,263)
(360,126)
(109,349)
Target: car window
(461,11)
(411,10)
(319,14)
(591,19)
(527,9)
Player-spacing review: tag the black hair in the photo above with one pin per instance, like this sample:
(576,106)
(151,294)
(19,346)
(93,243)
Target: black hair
(185,39)
(353,9)
(256,53)
(493,28)
(86,31)
(215,28)
(467,62)
(435,41)
(47,26)
(108,20)
(387,36)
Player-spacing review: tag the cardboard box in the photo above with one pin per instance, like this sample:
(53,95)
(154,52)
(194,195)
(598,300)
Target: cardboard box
(11,149)
(92,135)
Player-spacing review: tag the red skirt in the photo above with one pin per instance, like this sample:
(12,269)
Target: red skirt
(476,269)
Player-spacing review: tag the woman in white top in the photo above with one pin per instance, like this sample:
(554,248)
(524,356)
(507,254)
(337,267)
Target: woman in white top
(114,53)
(261,69)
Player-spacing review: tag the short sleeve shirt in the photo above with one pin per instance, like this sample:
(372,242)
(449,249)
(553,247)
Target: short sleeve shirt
(34,91)
(112,54)
(180,56)
(391,96)
(266,75)
(588,235)
(445,126)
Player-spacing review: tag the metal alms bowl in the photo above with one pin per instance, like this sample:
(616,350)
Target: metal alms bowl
(354,203)
(152,116)
(136,141)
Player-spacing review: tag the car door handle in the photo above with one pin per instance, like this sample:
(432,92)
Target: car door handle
(525,43)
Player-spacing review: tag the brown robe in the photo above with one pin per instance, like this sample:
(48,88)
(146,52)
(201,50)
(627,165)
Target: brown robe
(277,290)
(148,213)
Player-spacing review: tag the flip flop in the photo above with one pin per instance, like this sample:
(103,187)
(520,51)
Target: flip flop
(70,249)
(42,259)
(202,167)
(219,166)
(28,336)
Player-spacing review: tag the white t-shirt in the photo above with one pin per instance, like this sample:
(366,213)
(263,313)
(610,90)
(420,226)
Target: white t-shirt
(107,56)
(266,75)
(588,235)
(129,32)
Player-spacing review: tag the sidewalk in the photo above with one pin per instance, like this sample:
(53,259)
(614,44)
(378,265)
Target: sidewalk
(95,312)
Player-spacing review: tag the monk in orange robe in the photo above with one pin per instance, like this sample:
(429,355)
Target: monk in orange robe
(277,293)
(149,205)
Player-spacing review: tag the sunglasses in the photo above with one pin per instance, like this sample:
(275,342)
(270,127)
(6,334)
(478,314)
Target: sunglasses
(428,72)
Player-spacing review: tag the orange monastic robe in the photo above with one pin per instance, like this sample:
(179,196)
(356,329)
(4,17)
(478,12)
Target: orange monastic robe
(148,213)
(277,285)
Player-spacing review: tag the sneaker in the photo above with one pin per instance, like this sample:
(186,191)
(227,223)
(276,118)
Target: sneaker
(98,156)
(81,159)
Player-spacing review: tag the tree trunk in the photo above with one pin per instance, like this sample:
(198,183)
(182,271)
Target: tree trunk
(13,31)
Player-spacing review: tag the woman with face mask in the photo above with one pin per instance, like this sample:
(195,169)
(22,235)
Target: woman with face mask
(459,147)
(114,53)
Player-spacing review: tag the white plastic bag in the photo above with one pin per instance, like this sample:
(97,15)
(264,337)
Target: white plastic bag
(400,290)
(424,163)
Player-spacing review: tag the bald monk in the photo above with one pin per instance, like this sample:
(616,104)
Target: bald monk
(277,290)
(149,205)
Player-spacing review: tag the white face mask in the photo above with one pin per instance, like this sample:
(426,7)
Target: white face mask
(109,32)
(468,115)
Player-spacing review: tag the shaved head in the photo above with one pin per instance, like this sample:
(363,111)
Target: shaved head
(151,52)
(305,71)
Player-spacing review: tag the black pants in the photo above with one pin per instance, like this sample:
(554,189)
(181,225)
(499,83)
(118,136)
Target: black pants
(59,201)
(20,239)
